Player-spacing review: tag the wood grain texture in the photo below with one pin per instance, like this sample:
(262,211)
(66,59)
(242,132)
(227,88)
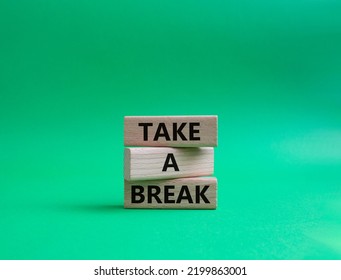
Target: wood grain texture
(185,193)
(148,163)
(176,131)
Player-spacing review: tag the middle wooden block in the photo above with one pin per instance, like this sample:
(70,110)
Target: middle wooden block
(167,163)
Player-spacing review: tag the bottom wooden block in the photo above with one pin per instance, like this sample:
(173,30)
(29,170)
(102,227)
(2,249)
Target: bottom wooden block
(184,193)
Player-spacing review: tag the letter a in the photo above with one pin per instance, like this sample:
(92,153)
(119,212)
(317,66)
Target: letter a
(170,157)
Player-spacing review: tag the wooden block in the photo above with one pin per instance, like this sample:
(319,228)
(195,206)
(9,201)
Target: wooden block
(188,193)
(171,131)
(166,163)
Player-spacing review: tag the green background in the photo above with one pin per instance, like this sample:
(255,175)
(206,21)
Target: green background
(71,70)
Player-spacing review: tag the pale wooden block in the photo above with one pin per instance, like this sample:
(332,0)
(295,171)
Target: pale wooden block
(171,131)
(166,163)
(185,193)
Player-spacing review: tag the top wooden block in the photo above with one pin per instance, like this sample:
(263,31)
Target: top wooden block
(171,131)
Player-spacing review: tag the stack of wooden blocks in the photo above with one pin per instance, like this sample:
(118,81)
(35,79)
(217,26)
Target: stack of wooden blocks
(166,170)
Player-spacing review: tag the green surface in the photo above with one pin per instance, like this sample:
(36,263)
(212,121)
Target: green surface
(70,71)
